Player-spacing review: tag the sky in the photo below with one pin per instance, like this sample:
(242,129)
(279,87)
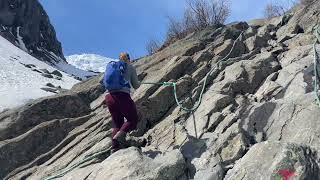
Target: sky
(108,27)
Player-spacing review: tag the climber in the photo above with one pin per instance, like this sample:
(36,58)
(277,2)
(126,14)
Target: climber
(118,79)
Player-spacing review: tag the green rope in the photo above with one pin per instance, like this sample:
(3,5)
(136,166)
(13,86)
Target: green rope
(316,65)
(174,85)
(84,160)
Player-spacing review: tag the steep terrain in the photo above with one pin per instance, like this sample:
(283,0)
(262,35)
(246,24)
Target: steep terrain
(257,120)
(26,25)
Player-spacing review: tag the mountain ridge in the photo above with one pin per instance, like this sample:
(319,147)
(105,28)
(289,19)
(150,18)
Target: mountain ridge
(89,62)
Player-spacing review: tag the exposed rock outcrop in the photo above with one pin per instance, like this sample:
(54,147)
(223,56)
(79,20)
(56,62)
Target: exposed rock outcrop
(27,25)
(135,165)
(270,159)
(257,118)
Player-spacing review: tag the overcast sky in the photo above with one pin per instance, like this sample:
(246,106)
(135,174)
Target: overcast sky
(107,27)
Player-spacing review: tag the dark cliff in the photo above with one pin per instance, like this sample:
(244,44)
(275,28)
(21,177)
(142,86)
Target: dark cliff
(27,25)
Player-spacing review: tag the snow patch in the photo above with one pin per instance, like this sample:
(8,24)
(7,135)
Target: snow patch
(65,67)
(89,62)
(82,74)
(19,84)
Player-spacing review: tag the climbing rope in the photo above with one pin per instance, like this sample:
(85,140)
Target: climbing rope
(174,85)
(79,164)
(316,65)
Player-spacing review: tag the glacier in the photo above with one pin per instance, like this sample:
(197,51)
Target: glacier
(89,62)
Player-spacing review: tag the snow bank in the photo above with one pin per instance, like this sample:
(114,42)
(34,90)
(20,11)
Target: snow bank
(19,84)
(65,67)
(71,70)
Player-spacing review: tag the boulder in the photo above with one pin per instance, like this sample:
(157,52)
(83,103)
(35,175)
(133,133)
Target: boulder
(154,108)
(290,29)
(205,115)
(285,37)
(300,40)
(297,71)
(251,31)
(271,159)
(203,56)
(36,70)
(18,121)
(50,85)
(30,66)
(256,42)
(49,89)
(269,89)
(242,26)
(136,165)
(226,47)
(266,30)
(38,140)
(195,48)
(47,75)
(44,71)
(235,149)
(200,72)
(216,173)
(292,119)
(245,76)
(57,73)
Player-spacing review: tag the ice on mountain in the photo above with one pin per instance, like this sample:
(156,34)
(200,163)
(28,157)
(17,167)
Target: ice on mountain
(89,62)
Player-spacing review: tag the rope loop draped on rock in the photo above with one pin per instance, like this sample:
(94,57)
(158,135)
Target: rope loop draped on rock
(174,85)
(79,164)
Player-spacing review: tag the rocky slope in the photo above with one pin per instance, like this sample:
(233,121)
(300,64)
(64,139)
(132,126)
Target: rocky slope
(257,120)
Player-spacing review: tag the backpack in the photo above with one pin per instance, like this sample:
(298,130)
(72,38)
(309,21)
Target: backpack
(113,77)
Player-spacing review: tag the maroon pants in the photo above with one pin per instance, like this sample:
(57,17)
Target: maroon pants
(121,106)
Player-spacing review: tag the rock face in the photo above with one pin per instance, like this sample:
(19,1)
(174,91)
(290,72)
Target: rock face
(257,119)
(271,159)
(135,165)
(27,25)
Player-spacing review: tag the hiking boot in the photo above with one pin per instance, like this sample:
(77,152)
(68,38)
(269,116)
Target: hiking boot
(122,141)
(113,151)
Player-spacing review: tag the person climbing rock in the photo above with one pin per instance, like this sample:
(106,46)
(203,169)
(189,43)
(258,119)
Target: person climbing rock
(119,77)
